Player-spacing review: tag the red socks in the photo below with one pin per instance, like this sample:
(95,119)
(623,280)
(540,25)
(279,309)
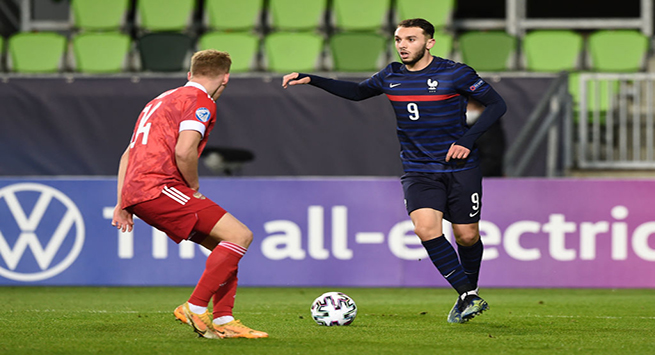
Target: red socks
(219,279)
(224,298)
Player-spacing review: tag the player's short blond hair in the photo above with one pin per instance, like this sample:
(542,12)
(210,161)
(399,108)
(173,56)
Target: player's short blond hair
(210,62)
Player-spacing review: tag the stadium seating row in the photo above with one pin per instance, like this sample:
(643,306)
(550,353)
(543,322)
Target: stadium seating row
(113,52)
(255,32)
(251,15)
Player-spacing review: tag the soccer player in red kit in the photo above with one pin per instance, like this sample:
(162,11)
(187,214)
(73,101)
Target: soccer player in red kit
(158,182)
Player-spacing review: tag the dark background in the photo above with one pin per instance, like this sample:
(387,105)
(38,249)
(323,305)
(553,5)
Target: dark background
(550,9)
(81,126)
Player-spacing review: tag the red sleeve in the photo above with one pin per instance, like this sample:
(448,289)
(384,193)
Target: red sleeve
(199,113)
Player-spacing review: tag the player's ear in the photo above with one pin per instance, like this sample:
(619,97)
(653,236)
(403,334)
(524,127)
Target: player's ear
(431,42)
(188,75)
(226,78)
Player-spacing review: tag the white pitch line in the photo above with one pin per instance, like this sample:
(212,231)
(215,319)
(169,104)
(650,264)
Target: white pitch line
(565,316)
(80,311)
(159,312)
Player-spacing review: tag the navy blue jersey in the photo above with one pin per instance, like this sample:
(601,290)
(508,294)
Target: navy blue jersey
(430,106)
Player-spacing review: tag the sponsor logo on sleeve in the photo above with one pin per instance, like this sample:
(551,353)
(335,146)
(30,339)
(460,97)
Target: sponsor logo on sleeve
(203,114)
(476,85)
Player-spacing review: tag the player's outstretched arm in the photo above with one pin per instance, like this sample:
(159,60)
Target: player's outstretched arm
(122,219)
(346,89)
(290,79)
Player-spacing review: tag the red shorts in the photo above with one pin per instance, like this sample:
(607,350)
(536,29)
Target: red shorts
(181,213)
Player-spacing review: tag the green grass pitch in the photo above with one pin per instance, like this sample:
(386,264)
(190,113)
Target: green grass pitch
(131,320)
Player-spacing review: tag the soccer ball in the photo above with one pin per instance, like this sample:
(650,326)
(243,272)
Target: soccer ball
(334,308)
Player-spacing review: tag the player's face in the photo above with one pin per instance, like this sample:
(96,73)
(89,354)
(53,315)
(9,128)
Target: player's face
(218,85)
(412,44)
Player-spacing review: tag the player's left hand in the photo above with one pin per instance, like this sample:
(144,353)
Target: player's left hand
(457,152)
(122,220)
(290,79)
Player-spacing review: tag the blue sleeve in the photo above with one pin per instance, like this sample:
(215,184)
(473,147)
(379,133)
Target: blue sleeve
(346,89)
(471,85)
(495,108)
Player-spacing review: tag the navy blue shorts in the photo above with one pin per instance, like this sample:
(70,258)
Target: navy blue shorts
(457,194)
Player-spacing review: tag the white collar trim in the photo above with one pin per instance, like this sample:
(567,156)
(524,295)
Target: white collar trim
(196,85)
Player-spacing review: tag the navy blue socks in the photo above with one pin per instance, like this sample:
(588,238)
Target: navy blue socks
(444,257)
(471,257)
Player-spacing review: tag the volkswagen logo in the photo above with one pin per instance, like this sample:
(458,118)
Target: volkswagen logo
(45,221)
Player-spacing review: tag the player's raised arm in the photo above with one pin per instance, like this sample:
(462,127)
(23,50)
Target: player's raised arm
(346,89)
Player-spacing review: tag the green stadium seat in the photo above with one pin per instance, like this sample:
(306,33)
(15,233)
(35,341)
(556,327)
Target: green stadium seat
(609,51)
(2,54)
(242,46)
(230,15)
(164,15)
(605,89)
(487,51)
(100,52)
(292,15)
(552,50)
(99,15)
(438,12)
(617,51)
(358,51)
(41,52)
(443,45)
(292,51)
(165,51)
(361,15)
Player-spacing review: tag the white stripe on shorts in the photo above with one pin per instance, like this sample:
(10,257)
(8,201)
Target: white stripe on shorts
(179,193)
(175,195)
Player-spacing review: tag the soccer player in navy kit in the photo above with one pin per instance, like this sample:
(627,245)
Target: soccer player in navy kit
(442,175)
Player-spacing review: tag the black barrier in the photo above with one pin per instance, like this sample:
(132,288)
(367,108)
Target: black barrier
(80,126)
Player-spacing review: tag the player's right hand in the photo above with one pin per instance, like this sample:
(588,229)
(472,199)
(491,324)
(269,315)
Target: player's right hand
(289,80)
(457,152)
(122,220)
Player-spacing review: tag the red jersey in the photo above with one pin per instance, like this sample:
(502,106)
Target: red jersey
(151,164)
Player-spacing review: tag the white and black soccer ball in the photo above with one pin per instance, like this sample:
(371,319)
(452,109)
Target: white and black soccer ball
(334,308)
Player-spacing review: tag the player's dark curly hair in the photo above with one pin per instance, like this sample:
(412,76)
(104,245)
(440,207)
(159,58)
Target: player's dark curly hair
(425,25)
(210,62)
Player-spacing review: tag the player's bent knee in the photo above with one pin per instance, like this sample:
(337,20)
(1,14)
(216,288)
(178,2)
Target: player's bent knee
(230,229)
(244,238)
(426,232)
(467,238)
(466,234)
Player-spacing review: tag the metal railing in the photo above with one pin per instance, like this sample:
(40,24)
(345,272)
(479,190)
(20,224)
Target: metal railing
(549,122)
(517,22)
(615,121)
